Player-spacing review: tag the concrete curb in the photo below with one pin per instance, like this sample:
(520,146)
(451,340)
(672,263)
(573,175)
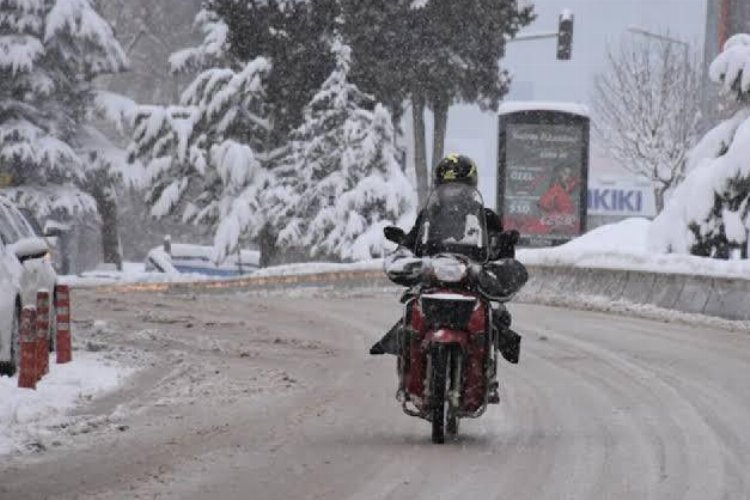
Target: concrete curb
(721,297)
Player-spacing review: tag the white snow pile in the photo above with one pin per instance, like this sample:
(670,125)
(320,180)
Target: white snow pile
(307,268)
(610,243)
(621,246)
(625,246)
(132,273)
(135,273)
(28,416)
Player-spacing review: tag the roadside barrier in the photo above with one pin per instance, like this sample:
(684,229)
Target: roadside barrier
(42,333)
(27,376)
(63,340)
(727,298)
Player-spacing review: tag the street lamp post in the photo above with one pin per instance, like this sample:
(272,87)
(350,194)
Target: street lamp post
(685,45)
(643,31)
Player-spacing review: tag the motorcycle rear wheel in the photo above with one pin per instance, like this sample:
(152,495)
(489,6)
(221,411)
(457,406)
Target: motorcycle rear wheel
(452,425)
(440,364)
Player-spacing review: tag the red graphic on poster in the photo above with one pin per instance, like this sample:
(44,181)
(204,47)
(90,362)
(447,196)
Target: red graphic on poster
(543,176)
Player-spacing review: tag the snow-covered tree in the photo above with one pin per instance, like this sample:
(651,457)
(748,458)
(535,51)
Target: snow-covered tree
(341,182)
(211,52)
(647,107)
(204,158)
(149,32)
(294,35)
(434,53)
(50,52)
(708,213)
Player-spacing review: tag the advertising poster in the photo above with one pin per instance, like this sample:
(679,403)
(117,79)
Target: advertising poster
(543,180)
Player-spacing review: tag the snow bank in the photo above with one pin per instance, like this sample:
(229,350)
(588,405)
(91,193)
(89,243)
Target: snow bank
(625,246)
(622,246)
(625,239)
(133,272)
(320,267)
(28,416)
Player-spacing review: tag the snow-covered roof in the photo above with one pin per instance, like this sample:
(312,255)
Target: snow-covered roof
(574,108)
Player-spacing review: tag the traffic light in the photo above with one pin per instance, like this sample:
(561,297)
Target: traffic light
(565,36)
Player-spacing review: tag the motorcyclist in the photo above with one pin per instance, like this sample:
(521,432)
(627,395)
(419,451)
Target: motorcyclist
(456,168)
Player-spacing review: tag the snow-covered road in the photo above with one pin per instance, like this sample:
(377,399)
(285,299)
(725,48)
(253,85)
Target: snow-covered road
(273,397)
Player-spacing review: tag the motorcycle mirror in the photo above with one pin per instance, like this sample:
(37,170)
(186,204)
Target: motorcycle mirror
(394,234)
(515,236)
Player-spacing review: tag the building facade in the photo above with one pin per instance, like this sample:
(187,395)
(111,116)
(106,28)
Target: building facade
(724,18)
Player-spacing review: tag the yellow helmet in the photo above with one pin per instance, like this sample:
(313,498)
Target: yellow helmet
(456,168)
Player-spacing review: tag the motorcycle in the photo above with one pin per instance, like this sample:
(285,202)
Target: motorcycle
(447,360)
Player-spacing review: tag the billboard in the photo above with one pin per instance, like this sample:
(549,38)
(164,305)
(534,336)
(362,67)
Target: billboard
(542,174)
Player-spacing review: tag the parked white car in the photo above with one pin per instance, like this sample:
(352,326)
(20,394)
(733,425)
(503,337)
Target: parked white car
(25,268)
(173,258)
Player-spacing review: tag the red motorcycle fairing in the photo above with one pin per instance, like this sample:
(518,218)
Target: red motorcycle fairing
(474,344)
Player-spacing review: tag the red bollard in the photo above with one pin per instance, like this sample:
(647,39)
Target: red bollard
(42,332)
(62,309)
(27,366)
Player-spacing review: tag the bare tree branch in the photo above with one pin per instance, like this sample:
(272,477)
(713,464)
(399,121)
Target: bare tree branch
(647,106)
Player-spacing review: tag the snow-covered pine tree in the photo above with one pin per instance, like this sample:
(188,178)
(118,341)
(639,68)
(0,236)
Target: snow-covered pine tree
(341,182)
(205,158)
(708,213)
(50,51)
(294,35)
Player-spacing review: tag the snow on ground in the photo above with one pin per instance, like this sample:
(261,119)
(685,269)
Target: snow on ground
(133,272)
(624,246)
(320,267)
(30,416)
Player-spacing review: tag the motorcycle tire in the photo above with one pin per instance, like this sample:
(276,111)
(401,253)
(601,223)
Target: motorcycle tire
(439,386)
(452,427)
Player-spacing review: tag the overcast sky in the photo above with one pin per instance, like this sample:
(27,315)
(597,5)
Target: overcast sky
(539,76)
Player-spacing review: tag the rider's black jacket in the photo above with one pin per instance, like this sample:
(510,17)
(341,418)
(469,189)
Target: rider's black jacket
(505,239)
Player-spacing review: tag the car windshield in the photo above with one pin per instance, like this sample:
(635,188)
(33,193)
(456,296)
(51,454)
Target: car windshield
(454,222)
(21,224)
(31,221)
(7,228)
